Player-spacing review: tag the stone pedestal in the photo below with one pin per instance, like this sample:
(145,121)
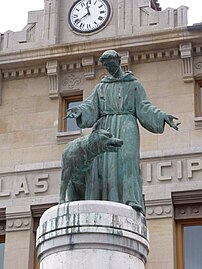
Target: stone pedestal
(92,234)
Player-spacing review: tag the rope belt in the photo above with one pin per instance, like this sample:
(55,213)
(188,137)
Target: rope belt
(116,113)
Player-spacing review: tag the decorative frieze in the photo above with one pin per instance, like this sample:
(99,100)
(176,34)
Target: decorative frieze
(152,56)
(53,72)
(18,218)
(188,211)
(187,204)
(23,73)
(72,66)
(159,209)
(186,53)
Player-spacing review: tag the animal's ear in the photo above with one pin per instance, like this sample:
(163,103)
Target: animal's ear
(96,125)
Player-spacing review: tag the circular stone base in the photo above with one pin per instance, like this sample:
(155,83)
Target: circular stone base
(92,234)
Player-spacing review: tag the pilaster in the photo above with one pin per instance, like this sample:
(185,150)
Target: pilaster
(51,21)
(19,238)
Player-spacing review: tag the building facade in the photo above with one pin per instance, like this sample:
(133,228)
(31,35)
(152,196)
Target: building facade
(51,64)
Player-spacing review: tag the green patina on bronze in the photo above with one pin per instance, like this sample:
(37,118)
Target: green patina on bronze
(77,159)
(119,101)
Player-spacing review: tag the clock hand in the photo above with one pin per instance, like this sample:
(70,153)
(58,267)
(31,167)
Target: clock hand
(87,7)
(84,16)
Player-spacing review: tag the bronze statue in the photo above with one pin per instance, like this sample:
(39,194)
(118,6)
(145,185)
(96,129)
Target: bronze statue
(118,102)
(77,159)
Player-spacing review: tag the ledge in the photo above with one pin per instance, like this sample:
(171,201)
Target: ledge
(198,122)
(65,137)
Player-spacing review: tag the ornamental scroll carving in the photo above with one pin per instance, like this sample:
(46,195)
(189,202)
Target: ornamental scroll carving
(71,81)
(198,67)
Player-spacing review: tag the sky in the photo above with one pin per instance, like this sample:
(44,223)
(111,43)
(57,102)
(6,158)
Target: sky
(13,13)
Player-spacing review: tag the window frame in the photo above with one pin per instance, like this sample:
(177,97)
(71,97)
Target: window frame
(198,105)
(64,103)
(180,224)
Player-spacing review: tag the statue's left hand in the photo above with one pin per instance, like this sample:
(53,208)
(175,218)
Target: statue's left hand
(169,119)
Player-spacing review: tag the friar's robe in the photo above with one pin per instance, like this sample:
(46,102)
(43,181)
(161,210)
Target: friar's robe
(118,103)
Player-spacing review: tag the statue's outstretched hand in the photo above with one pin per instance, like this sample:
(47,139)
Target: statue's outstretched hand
(169,119)
(73,112)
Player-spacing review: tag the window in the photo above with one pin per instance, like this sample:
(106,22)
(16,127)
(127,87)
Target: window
(2,246)
(69,125)
(188,220)
(189,238)
(198,99)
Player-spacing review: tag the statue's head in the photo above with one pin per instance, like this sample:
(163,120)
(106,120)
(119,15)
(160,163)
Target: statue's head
(110,54)
(111,60)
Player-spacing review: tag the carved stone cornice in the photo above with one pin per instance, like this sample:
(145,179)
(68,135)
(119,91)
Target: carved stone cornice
(187,197)
(133,43)
(156,209)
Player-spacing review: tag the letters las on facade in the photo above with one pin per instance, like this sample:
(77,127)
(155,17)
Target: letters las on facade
(53,60)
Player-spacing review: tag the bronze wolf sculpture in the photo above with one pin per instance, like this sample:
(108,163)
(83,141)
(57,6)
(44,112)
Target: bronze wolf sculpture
(77,159)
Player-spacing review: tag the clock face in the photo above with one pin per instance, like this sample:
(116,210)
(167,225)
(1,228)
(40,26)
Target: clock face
(86,16)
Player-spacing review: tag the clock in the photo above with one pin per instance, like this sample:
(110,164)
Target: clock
(87,16)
